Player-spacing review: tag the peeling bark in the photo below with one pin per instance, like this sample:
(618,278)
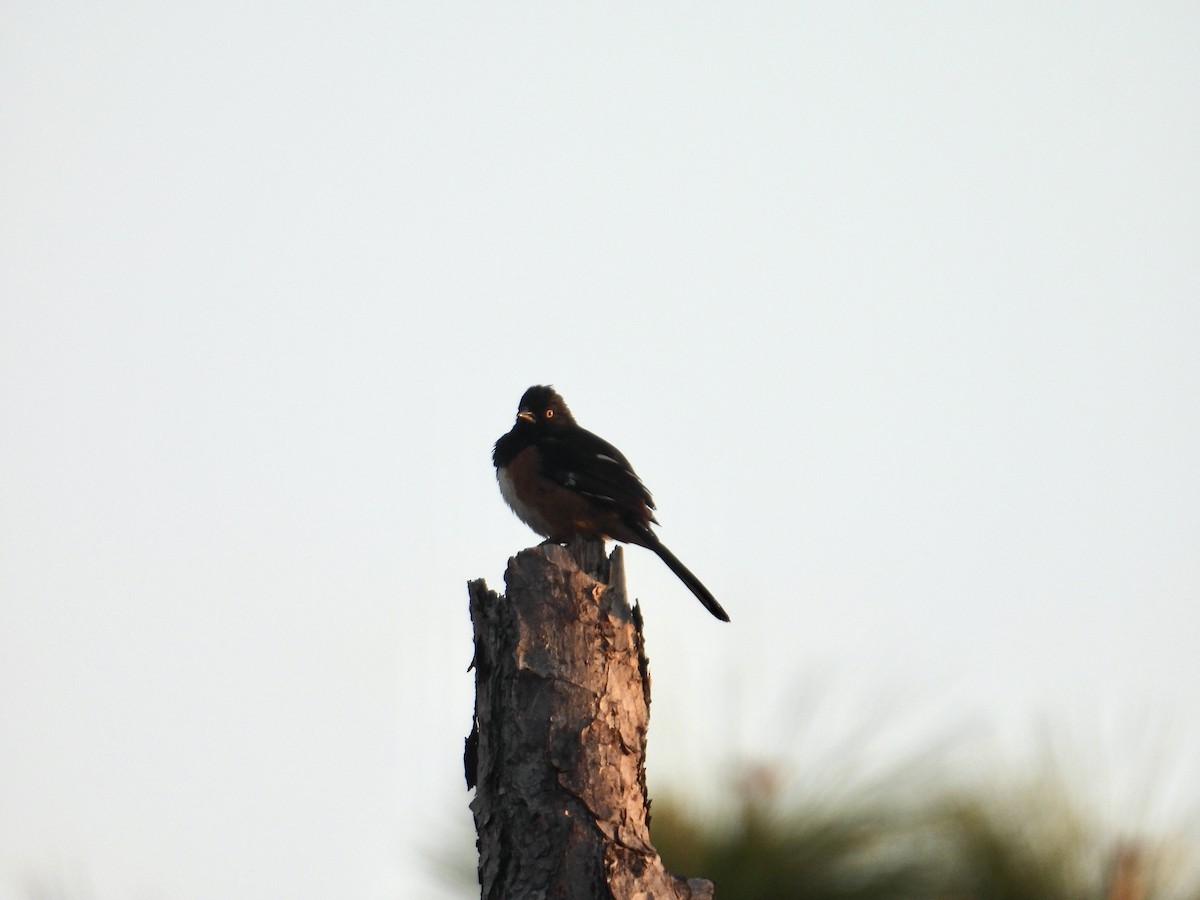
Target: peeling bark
(558,751)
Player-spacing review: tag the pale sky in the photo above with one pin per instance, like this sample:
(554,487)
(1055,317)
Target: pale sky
(895,307)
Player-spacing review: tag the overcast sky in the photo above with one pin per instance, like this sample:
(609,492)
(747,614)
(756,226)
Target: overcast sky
(895,307)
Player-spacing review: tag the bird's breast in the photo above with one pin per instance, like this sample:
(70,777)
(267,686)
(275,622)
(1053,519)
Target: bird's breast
(551,509)
(517,486)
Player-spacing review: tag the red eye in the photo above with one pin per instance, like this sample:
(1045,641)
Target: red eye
(549,414)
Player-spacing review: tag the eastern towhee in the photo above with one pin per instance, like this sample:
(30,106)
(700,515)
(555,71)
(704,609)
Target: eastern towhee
(565,482)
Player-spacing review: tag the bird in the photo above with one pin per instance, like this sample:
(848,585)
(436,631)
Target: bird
(565,482)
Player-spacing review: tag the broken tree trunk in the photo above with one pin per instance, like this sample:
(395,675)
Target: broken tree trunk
(558,752)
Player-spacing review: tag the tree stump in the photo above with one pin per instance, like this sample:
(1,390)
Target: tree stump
(558,751)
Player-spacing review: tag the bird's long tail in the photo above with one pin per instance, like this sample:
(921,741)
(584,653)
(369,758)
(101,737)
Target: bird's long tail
(650,540)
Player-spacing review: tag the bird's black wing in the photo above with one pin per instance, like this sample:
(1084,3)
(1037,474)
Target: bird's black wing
(583,462)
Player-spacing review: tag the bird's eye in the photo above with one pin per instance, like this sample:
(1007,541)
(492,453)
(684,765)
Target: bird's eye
(549,414)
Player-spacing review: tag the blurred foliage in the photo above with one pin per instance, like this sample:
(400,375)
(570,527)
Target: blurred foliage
(1021,842)
(910,839)
(926,827)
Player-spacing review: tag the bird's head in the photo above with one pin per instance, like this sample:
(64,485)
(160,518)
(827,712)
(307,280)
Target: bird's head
(542,406)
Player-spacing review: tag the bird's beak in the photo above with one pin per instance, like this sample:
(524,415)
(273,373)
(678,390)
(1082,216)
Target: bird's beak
(526,415)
